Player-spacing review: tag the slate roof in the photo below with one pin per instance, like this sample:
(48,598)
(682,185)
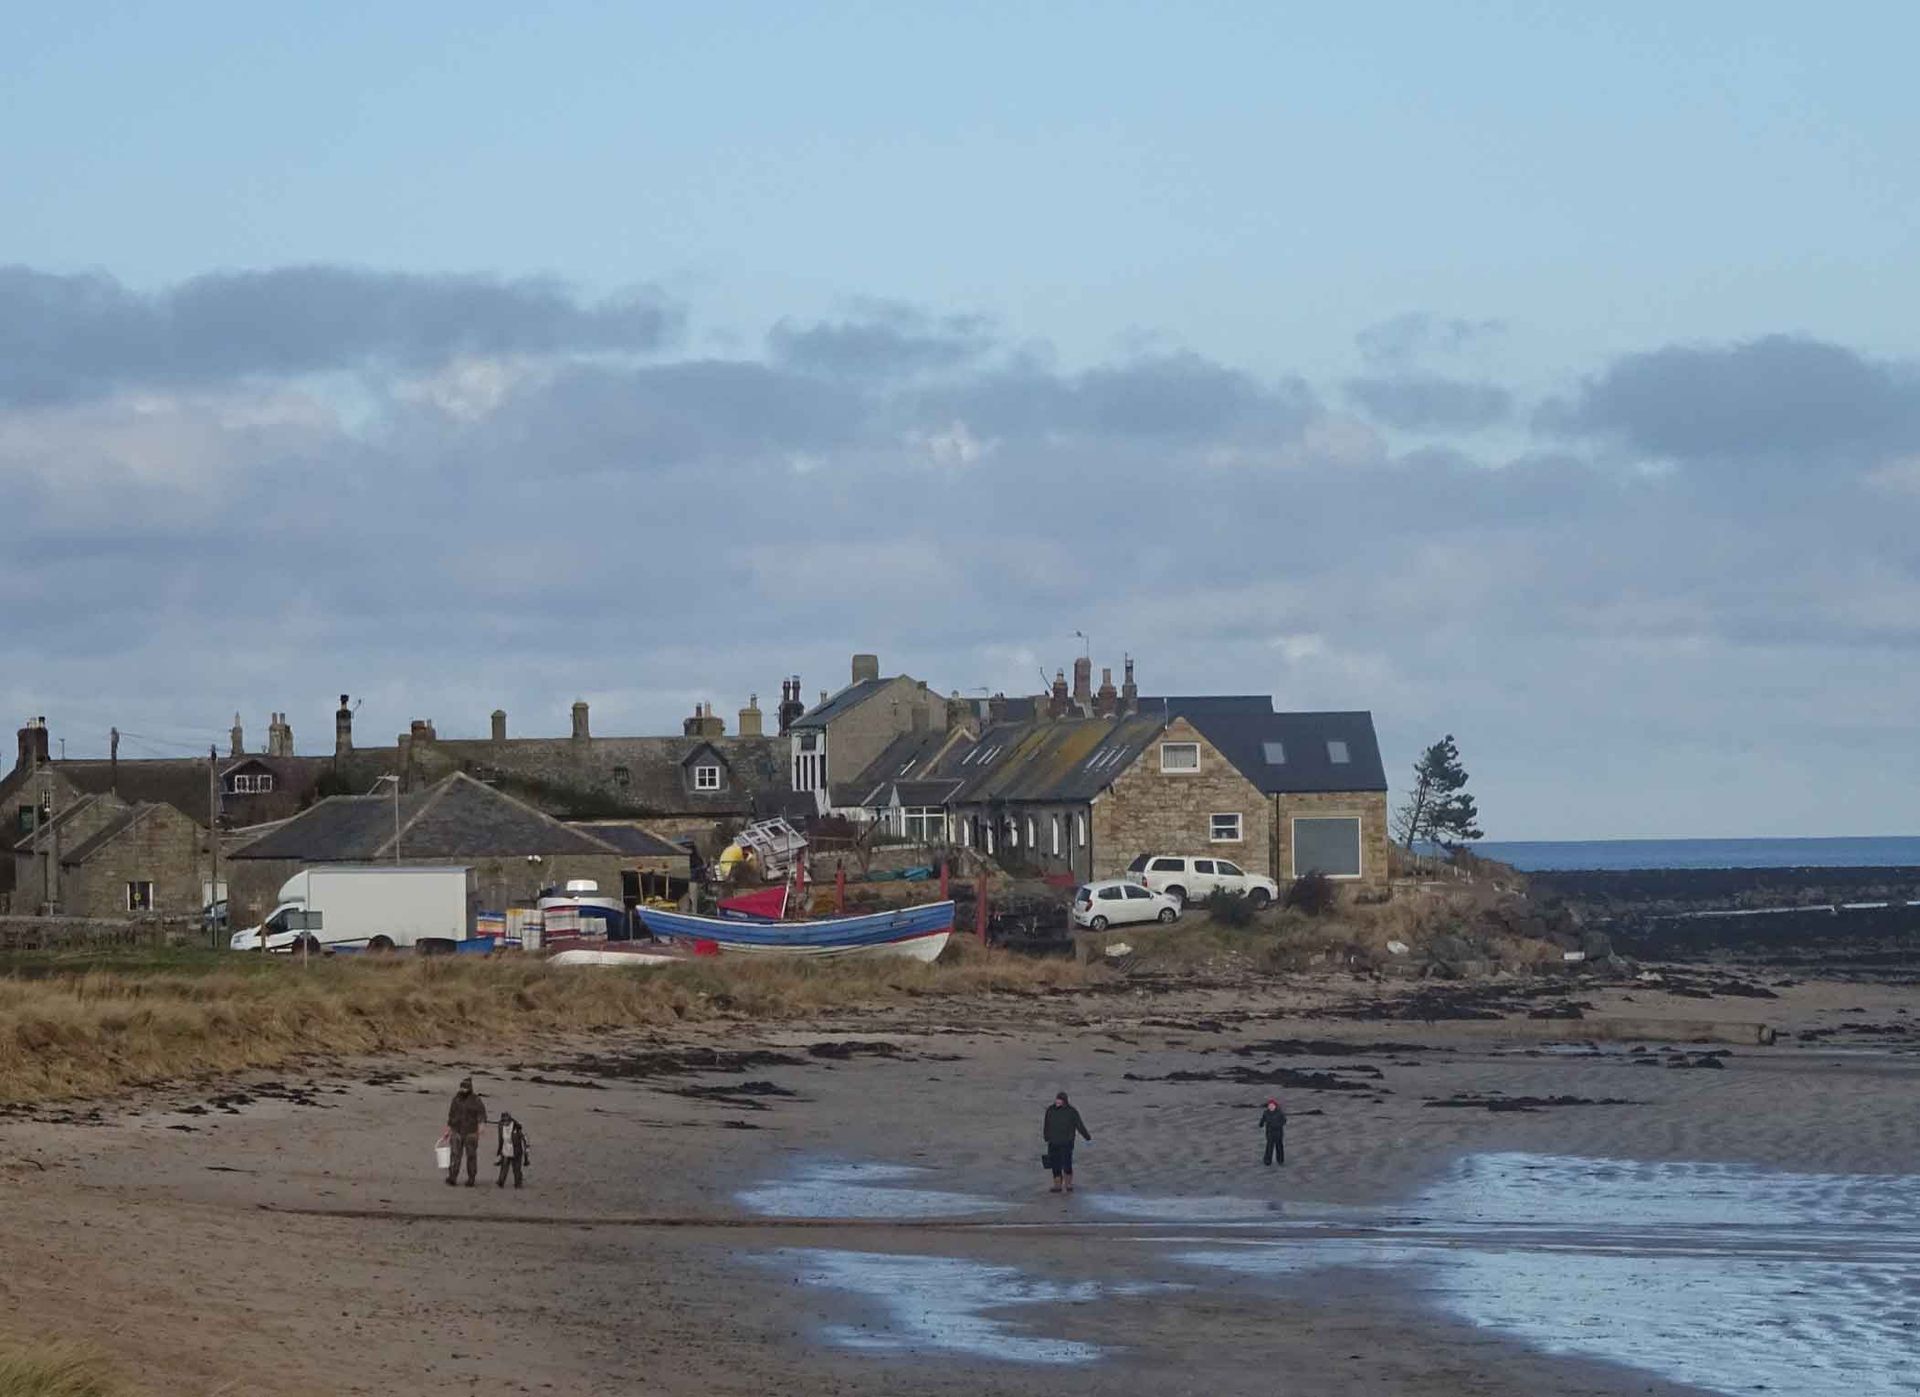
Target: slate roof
(1074,759)
(1303,744)
(631,839)
(455,818)
(906,757)
(557,773)
(845,701)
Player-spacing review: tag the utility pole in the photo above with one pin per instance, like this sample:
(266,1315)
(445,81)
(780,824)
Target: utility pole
(396,819)
(213,846)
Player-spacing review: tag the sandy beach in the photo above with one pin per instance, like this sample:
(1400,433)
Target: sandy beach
(855,1205)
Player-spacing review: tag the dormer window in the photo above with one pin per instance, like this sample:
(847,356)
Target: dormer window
(706,777)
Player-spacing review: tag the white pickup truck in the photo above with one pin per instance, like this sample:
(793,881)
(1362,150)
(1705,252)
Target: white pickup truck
(376,907)
(1192,879)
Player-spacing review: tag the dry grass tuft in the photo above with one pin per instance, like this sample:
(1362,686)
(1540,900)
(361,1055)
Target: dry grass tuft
(55,1369)
(89,1026)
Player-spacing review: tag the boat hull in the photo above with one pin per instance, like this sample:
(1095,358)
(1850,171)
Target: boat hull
(916,933)
(613,958)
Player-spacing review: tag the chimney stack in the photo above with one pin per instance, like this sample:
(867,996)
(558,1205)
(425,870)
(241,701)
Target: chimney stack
(1083,684)
(750,718)
(791,706)
(499,725)
(865,667)
(238,738)
(580,733)
(343,730)
(1107,701)
(703,723)
(1060,701)
(1129,691)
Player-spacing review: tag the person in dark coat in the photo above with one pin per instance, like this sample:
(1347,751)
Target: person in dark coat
(1273,1122)
(1061,1123)
(513,1152)
(464,1118)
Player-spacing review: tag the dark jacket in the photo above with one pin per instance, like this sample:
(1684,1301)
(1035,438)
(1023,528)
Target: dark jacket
(467,1114)
(1273,1120)
(1060,1124)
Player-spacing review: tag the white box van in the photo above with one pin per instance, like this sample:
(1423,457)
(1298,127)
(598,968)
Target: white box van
(372,906)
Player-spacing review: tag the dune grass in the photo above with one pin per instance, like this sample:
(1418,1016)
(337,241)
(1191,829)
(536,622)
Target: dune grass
(55,1369)
(74,1025)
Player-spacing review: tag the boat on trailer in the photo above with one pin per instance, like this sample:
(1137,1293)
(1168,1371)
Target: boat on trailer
(915,933)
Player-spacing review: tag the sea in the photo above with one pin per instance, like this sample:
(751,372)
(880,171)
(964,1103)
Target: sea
(1545,855)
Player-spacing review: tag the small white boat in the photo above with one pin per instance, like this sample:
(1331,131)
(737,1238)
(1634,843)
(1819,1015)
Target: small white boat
(613,958)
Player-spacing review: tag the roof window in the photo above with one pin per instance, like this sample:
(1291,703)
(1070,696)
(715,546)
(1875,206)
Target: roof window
(1276,753)
(1337,752)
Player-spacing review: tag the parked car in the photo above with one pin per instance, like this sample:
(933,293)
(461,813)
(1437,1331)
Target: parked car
(1116,901)
(1193,879)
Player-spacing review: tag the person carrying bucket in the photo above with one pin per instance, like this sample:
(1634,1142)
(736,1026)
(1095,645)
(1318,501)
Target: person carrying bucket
(464,1118)
(1273,1123)
(1058,1127)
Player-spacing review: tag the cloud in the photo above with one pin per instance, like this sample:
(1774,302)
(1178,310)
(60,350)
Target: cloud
(64,338)
(1782,401)
(1406,339)
(1419,403)
(885,340)
(513,528)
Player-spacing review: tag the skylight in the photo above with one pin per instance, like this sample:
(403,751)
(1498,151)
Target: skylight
(1276,753)
(1337,752)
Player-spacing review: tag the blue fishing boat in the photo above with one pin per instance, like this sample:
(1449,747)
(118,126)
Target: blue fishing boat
(918,933)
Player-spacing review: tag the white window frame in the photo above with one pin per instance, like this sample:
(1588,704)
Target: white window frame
(132,905)
(1056,836)
(1239,835)
(1360,845)
(1167,747)
(1033,840)
(1080,830)
(263,782)
(706,777)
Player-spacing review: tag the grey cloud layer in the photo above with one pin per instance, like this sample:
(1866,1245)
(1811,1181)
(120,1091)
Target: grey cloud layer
(69,337)
(1423,403)
(649,533)
(1799,404)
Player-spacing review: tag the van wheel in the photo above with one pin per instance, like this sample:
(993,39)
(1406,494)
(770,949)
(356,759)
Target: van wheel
(308,945)
(1167,915)
(1178,894)
(1259,897)
(380,943)
(1098,923)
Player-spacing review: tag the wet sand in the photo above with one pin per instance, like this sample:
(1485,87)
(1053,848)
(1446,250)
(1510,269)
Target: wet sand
(798,1207)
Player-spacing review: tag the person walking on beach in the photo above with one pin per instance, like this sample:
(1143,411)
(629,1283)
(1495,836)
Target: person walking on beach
(513,1152)
(1061,1123)
(464,1118)
(1273,1122)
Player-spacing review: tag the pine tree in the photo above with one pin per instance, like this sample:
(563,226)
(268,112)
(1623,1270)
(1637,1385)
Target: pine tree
(1438,810)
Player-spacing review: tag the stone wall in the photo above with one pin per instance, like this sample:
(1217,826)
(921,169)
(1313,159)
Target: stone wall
(1370,807)
(1150,811)
(858,736)
(162,847)
(62,933)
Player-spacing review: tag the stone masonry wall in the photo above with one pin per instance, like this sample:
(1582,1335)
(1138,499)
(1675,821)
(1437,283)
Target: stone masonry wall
(163,847)
(1148,811)
(855,738)
(1369,806)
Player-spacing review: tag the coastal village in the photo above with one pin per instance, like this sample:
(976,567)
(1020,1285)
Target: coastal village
(1067,785)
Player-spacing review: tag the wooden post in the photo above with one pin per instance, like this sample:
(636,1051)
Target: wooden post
(945,889)
(980,906)
(839,887)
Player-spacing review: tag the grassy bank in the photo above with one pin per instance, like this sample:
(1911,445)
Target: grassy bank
(84,1026)
(55,1369)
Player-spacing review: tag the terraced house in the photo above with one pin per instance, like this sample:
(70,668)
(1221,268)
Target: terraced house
(1228,777)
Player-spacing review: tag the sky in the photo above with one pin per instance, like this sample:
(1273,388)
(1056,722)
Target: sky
(1539,374)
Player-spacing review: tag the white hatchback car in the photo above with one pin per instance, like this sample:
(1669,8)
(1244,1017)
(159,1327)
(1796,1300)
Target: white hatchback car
(1192,879)
(1116,901)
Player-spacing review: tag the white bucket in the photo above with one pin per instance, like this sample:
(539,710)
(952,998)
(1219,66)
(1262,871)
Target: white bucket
(443,1156)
